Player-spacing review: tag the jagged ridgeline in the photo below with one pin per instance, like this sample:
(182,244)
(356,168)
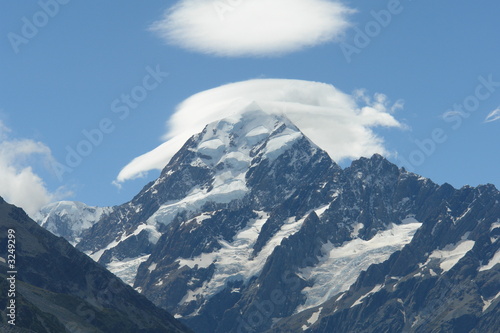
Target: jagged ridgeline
(251,227)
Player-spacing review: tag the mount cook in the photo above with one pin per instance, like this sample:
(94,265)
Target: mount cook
(251,227)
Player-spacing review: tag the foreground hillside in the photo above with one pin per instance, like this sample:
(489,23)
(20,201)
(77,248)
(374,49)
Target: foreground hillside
(59,289)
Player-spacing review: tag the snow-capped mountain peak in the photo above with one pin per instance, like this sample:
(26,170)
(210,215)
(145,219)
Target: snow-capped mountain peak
(240,136)
(226,150)
(220,166)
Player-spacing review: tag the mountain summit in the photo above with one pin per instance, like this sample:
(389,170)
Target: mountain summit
(251,227)
(225,163)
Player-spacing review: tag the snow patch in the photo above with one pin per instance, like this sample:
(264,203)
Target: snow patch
(153,234)
(281,143)
(257,134)
(202,261)
(493,261)
(495,225)
(321,210)
(212,144)
(488,302)
(96,255)
(200,218)
(451,254)
(313,319)
(360,300)
(455,220)
(355,231)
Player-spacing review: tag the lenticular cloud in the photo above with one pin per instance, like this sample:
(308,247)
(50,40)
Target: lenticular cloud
(339,123)
(251,27)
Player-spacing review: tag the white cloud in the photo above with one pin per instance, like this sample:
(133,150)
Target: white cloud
(493,116)
(19,184)
(335,121)
(252,27)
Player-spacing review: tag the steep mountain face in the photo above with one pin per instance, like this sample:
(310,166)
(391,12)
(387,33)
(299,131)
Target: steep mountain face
(447,279)
(59,289)
(231,161)
(251,227)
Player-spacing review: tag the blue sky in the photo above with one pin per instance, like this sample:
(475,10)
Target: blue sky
(61,80)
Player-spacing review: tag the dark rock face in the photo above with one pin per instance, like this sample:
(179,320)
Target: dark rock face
(59,289)
(253,228)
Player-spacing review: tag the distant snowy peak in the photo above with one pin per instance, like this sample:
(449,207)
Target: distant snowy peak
(70,218)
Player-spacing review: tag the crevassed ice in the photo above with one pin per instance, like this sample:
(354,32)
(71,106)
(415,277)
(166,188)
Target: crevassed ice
(126,269)
(340,266)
